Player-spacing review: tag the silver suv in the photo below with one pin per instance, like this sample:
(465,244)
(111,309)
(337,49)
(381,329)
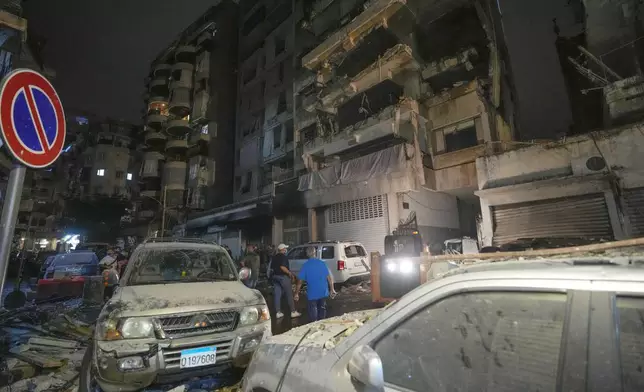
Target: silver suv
(180,312)
(569,324)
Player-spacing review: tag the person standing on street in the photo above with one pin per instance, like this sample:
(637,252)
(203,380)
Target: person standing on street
(282,278)
(318,285)
(251,260)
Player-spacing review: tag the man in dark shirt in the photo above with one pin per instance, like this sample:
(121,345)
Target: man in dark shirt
(282,278)
(251,260)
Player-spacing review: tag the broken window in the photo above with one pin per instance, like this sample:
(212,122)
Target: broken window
(308,134)
(456,137)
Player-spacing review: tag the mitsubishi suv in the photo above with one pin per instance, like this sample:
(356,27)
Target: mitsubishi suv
(180,312)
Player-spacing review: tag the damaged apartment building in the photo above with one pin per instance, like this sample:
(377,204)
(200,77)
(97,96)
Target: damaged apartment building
(578,172)
(189,117)
(394,101)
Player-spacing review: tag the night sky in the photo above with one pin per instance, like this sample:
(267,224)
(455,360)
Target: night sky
(101,50)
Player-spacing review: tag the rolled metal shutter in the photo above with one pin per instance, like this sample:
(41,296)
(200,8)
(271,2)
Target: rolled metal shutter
(364,220)
(585,216)
(634,209)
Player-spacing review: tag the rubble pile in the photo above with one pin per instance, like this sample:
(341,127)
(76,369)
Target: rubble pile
(360,288)
(42,348)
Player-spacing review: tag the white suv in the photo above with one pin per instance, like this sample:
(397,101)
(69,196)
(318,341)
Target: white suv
(345,259)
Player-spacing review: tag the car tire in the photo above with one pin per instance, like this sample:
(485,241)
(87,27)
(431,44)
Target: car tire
(86,380)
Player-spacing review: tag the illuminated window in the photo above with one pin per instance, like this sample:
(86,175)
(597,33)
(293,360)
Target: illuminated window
(204,129)
(129,176)
(100,172)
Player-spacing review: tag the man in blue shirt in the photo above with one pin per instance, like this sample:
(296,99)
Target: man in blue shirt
(318,285)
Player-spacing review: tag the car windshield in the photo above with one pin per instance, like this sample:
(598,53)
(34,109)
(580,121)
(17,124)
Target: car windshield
(74,259)
(180,265)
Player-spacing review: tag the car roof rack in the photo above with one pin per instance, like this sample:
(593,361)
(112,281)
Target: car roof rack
(192,240)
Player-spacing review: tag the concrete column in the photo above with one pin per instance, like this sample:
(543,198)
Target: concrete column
(487,223)
(613,214)
(278,231)
(313,224)
(393,208)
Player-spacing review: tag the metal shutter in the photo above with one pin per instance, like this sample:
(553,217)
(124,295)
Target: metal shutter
(634,209)
(585,216)
(363,220)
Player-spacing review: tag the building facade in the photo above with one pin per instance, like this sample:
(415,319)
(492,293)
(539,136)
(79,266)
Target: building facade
(189,121)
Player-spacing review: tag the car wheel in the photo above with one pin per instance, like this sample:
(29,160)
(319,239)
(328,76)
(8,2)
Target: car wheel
(87,380)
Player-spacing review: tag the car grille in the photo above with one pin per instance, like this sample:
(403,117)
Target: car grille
(184,324)
(172,355)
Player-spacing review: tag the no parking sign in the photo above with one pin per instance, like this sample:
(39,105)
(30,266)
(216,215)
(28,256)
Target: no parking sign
(33,128)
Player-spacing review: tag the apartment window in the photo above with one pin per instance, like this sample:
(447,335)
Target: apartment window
(280,45)
(281,70)
(194,169)
(119,175)
(204,129)
(254,20)
(237,157)
(277,137)
(289,132)
(129,176)
(308,134)
(117,190)
(247,181)
(100,172)
(456,137)
(281,104)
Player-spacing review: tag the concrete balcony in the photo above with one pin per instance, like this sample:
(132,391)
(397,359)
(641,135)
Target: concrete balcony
(155,120)
(391,122)
(180,102)
(174,175)
(176,146)
(397,59)
(151,167)
(178,127)
(182,76)
(185,54)
(27,205)
(346,37)
(159,87)
(162,70)
(150,194)
(154,139)
(281,152)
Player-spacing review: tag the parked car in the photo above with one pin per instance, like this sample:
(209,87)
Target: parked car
(347,260)
(65,274)
(179,312)
(100,248)
(535,325)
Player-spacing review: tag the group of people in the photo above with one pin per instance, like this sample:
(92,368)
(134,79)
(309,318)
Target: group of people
(314,273)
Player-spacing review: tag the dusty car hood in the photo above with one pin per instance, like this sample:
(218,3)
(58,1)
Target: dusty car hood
(325,333)
(182,297)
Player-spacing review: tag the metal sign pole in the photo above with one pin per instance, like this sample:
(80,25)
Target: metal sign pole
(9,215)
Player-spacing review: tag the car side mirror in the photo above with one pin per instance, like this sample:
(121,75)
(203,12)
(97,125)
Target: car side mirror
(244,274)
(365,367)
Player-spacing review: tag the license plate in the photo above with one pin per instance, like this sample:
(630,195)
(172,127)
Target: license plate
(197,357)
(357,263)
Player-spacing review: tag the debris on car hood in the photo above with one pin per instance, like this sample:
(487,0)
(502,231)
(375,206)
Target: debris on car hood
(326,333)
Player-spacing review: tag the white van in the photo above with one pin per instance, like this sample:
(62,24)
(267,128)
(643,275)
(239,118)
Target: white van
(345,259)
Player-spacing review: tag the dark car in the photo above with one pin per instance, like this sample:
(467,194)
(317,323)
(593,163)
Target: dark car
(80,263)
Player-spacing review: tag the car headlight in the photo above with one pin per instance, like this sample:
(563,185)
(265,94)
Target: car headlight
(404,266)
(127,328)
(253,315)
